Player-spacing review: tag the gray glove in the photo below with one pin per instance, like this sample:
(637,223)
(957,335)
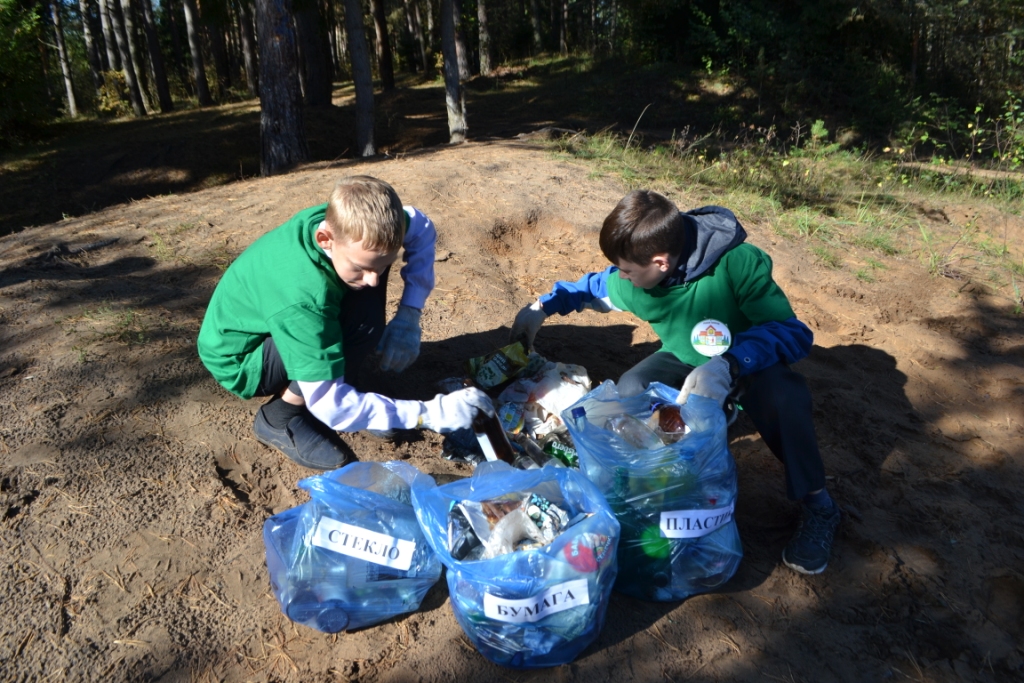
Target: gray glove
(527,323)
(400,343)
(711,380)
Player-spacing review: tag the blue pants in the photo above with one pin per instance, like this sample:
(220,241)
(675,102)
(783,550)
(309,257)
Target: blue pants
(776,399)
(362,324)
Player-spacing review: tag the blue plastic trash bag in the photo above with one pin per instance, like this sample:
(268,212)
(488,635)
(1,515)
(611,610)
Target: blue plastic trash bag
(525,608)
(354,555)
(675,502)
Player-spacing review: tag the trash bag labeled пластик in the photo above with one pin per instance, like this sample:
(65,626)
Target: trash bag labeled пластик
(673,490)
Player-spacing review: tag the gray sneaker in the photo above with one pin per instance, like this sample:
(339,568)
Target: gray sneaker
(305,440)
(809,549)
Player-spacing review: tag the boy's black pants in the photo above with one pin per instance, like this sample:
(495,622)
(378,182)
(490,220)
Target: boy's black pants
(362,324)
(776,399)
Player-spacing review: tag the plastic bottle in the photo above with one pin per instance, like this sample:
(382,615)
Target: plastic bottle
(535,452)
(634,432)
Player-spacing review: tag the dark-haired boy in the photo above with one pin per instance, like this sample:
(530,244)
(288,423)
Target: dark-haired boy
(727,331)
(299,311)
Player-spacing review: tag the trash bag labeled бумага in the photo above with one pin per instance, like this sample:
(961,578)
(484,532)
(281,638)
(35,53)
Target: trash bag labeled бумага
(674,497)
(354,555)
(550,537)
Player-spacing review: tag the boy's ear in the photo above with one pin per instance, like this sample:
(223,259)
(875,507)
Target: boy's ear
(662,261)
(324,237)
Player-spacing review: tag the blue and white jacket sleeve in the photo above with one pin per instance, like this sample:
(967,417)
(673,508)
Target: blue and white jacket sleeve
(418,271)
(766,344)
(590,291)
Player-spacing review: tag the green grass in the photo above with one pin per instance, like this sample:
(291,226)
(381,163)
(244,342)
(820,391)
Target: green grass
(842,206)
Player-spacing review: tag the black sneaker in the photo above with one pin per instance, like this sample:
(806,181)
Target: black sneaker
(809,549)
(305,440)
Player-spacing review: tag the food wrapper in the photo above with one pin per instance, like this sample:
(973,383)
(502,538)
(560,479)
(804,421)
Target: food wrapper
(491,370)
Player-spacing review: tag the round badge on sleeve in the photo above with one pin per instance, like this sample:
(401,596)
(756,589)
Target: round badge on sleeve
(711,337)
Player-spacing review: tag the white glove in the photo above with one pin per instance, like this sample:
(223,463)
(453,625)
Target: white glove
(448,412)
(711,380)
(528,321)
(400,343)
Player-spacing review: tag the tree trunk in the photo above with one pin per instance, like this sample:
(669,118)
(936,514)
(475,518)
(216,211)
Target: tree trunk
(130,34)
(563,30)
(113,62)
(91,50)
(62,56)
(196,48)
(535,24)
(177,53)
(282,132)
(384,64)
(485,38)
(614,25)
(311,56)
(461,49)
(431,33)
(454,95)
(156,58)
(248,46)
(128,68)
(417,24)
(215,33)
(361,77)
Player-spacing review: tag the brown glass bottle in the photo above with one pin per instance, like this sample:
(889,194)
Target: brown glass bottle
(492,438)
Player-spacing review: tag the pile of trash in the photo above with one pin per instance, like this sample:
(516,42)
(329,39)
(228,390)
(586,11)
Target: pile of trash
(534,392)
(580,490)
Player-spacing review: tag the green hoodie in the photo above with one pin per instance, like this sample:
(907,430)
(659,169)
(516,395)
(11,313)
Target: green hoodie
(283,286)
(738,290)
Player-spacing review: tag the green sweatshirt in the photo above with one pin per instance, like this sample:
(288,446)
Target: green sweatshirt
(283,286)
(738,291)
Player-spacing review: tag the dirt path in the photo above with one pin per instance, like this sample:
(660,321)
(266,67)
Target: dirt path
(134,495)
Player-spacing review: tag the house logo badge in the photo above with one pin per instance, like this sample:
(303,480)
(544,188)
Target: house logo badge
(711,338)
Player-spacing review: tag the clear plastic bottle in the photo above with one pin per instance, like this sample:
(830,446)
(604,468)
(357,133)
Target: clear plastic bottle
(634,432)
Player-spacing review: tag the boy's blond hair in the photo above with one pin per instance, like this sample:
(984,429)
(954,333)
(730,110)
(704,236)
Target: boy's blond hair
(365,209)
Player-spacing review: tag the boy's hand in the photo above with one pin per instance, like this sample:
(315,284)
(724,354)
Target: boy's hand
(711,380)
(527,322)
(400,343)
(448,412)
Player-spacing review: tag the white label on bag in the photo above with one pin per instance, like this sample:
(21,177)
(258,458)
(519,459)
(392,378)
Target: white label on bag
(364,544)
(555,599)
(694,523)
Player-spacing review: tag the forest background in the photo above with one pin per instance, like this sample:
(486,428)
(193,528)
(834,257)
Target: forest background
(939,77)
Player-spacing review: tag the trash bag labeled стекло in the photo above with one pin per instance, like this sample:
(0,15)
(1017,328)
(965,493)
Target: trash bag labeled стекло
(354,555)
(530,557)
(673,493)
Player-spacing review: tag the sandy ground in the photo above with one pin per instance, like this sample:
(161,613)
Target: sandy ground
(133,493)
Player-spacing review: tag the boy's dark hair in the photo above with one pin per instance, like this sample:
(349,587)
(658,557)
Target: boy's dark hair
(643,224)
